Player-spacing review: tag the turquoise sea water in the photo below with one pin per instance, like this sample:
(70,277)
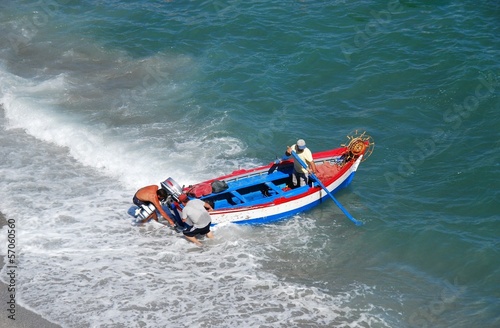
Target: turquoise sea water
(99,98)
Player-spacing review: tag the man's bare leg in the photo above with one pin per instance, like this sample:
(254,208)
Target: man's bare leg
(194,240)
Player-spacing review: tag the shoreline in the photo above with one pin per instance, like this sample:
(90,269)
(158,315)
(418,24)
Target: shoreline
(24,318)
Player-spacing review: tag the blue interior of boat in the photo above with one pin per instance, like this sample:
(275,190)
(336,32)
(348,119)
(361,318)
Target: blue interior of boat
(252,189)
(259,187)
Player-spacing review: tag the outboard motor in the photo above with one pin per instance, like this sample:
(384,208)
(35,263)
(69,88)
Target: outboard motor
(145,211)
(174,191)
(172,188)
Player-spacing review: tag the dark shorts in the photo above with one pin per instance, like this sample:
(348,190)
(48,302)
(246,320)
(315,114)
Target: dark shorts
(195,231)
(139,202)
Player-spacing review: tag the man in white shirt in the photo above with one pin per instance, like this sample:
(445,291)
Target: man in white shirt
(195,213)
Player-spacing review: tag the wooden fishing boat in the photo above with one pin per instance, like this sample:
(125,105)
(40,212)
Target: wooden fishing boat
(264,194)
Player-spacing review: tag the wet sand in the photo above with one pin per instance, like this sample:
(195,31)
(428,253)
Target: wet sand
(24,318)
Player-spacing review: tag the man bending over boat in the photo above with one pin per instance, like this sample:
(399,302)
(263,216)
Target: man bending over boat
(300,176)
(195,213)
(152,195)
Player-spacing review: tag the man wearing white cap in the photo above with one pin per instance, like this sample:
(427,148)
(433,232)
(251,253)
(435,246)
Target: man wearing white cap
(300,175)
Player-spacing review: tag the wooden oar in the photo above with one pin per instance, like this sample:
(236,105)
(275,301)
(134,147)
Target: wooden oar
(349,216)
